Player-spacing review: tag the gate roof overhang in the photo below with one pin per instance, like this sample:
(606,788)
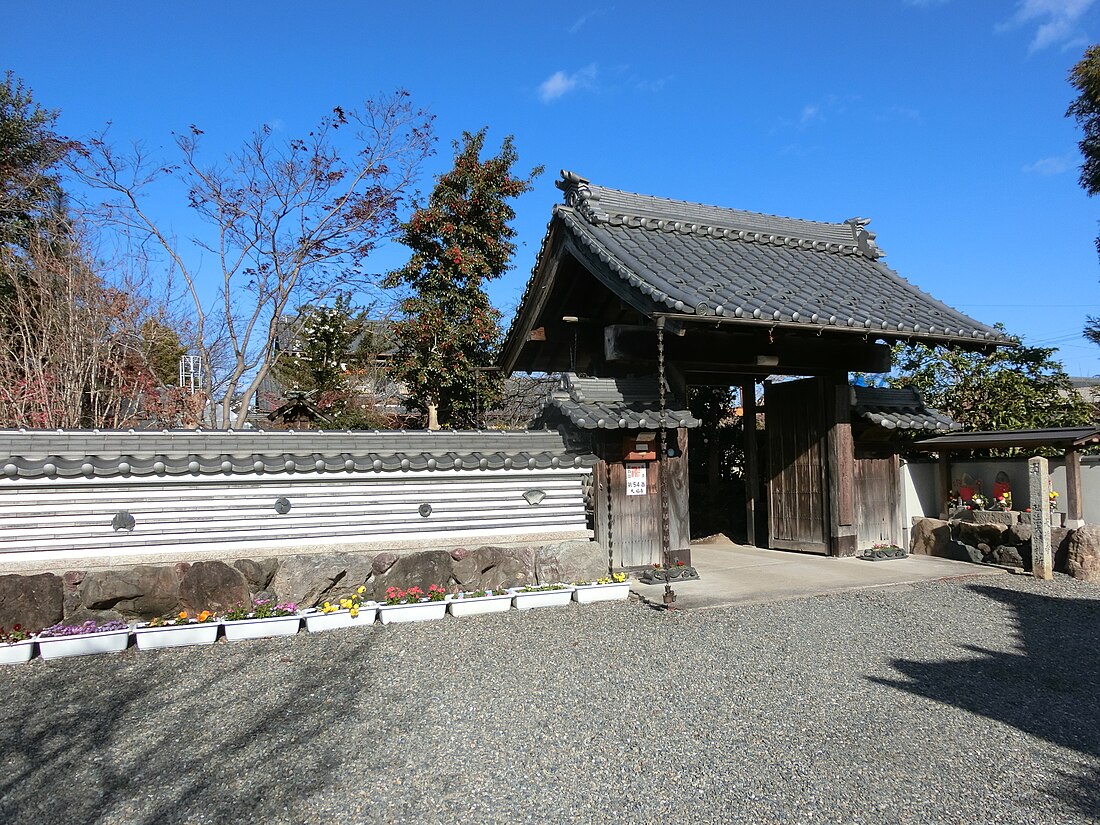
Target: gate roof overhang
(698,266)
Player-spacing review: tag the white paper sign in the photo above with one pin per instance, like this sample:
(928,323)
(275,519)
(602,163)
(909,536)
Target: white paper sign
(635,479)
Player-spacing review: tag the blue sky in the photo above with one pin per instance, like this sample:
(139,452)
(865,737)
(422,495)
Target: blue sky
(941,120)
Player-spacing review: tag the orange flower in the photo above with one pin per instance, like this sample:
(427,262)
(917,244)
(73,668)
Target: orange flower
(182,616)
(204,615)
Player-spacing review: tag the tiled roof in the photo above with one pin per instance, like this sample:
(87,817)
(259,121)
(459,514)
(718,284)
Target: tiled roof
(710,261)
(616,403)
(93,453)
(899,409)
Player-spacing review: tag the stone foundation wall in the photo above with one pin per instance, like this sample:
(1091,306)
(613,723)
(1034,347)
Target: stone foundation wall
(141,592)
(986,538)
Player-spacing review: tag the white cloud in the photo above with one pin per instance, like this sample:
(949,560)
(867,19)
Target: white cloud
(559,83)
(810,113)
(1057,21)
(1049,166)
(580,22)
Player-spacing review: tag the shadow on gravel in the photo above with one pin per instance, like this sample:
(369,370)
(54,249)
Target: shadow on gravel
(1047,687)
(235,733)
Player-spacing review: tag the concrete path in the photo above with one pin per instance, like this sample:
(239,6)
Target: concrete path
(736,574)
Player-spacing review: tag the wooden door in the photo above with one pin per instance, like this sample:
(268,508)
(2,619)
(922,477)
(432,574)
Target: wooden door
(794,420)
(635,519)
(877,501)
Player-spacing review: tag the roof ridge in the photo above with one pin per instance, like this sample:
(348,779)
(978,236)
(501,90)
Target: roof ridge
(592,203)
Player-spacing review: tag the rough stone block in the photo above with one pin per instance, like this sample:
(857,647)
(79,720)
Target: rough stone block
(140,592)
(1083,553)
(33,602)
(975,534)
(1007,556)
(1005,517)
(258,574)
(212,585)
(383,562)
(570,561)
(420,569)
(930,537)
(310,579)
(491,567)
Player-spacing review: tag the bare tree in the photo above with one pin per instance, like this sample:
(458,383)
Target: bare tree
(78,338)
(291,222)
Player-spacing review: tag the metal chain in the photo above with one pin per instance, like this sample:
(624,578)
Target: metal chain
(662,473)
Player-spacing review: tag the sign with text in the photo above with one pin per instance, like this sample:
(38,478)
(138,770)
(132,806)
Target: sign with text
(636,479)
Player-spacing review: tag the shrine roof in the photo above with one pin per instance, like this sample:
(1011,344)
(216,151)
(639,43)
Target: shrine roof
(616,403)
(707,263)
(1063,437)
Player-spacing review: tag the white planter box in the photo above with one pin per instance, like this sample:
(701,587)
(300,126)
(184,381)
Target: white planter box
(16,653)
(316,621)
(59,647)
(419,612)
(242,629)
(542,598)
(588,593)
(481,604)
(176,635)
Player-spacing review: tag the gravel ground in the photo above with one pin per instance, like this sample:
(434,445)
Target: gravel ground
(953,702)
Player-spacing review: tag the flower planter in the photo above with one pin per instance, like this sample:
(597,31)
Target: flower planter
(241,629)
(588,593)
(176,635)
(85,644)
(316,621)
(16,653)
(417,612)
(542,598)
(476,606)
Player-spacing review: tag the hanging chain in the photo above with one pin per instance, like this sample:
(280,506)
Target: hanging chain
(662,474)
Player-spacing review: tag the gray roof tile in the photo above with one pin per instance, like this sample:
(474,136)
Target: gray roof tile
(763,269)
(616,403)
(68,454)
(899,408)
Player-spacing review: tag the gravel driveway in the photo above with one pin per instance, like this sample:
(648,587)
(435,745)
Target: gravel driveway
(956,702)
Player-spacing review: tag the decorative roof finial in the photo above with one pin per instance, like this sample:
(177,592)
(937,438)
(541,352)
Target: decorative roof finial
(865,239)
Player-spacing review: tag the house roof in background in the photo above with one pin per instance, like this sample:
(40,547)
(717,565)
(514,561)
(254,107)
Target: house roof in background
(98,453)
(731,266)
(616,403)
(900,408)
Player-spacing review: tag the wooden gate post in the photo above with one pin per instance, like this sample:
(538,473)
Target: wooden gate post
(841,468)
(752,462)
(1074,513)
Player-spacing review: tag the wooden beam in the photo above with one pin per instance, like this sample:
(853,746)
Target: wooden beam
(1074,512)
(943,482)
(841,468)
(724,349)
(752,461)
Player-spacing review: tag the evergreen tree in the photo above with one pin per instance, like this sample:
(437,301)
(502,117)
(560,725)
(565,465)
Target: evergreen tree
(1011,388)
(30,152)
(1085,78)
(448,331)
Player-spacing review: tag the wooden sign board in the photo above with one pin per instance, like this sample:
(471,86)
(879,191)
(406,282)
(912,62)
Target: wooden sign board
(640,447)
(636,479)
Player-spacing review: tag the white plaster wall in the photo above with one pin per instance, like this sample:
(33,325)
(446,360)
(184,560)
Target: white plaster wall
(44,519)
(919,479)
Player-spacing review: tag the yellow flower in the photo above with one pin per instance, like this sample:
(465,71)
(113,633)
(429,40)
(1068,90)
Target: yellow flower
(355,612)
(361,590)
